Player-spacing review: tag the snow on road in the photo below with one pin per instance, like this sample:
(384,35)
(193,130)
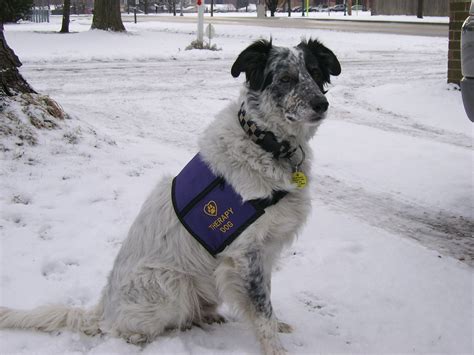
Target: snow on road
(377,268)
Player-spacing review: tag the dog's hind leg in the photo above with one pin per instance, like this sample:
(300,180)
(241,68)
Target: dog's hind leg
(209,315)
(153,300)
(208,302)
(243,280)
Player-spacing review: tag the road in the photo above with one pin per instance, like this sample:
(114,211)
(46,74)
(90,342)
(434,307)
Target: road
(408,28)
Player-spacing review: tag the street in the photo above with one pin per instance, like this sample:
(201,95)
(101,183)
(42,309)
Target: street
(296,22)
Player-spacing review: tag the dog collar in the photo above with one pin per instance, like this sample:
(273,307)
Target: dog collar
(265,139)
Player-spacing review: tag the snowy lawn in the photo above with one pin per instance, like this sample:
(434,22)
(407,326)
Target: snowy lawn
(383,263)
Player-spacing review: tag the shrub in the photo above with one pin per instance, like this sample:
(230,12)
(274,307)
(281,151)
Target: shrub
(14,10)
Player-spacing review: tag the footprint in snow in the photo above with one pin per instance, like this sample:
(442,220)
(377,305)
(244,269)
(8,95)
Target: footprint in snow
(21,199)
(44,233)
(55,270)
(314,304)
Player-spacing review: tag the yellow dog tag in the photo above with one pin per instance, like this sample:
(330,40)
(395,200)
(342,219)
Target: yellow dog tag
(299,178)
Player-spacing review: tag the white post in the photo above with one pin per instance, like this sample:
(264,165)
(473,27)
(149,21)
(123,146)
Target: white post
(200,29)
(261,9)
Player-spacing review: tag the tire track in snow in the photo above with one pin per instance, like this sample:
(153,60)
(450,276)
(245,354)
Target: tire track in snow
(393,122)
(436,229)
(383,69)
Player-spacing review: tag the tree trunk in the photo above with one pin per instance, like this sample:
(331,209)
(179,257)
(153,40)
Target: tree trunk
(66,13)
(107,16)
(12,82)
(272,6)
(419,13)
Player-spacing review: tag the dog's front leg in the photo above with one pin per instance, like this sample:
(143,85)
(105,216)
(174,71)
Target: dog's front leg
(245,280)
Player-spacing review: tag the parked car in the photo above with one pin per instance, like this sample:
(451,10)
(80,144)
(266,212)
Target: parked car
(467,63)
(358,8)
(188,9)
(337,8)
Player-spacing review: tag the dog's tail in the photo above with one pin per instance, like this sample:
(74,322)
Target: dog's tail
(50,318)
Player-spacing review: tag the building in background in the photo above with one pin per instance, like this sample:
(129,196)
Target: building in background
(56,6)
(458,11)
(409,7)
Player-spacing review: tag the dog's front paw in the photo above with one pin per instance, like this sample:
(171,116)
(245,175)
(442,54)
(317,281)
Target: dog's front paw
(284,327)
(137,339)
(274,350)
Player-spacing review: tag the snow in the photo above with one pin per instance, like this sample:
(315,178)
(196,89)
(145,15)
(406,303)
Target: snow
(375,270)
(356,16)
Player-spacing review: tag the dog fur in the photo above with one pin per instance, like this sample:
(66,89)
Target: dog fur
(162,278)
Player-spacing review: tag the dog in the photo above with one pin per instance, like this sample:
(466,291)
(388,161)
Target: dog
(162,278)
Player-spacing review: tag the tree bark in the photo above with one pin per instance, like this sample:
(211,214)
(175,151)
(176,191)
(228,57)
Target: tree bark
(66,13)
(419,13)
(11,81)
(272,6)
(107,16)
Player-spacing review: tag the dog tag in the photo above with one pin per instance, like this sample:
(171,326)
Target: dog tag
(299,178)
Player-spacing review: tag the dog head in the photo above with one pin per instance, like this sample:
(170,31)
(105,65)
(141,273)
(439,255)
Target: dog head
(288,82)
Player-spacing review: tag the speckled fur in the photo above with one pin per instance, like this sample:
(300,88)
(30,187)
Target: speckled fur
(162,278)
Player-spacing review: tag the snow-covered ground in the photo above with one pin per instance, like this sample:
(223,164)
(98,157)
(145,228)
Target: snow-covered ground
(376,269)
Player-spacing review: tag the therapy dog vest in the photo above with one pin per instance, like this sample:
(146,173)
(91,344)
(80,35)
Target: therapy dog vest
(210,209)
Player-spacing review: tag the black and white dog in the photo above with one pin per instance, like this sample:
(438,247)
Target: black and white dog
(162,277)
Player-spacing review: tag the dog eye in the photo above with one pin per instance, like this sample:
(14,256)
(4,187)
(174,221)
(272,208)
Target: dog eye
(285,79)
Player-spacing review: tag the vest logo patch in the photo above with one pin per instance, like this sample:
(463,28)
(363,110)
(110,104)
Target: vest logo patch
(223,222)
(210,208)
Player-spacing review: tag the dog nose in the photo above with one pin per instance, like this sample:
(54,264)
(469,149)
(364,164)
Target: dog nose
(320,105)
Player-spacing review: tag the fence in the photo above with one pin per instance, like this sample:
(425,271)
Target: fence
(39,14)
(409,7)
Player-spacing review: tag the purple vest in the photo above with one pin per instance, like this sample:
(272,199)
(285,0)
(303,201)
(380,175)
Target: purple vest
(210,209)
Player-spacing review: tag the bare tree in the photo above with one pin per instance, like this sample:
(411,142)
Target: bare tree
(37,111)
(145,7)
(12,82)
(419,12)
(66,13)
(272,6)
(107,16)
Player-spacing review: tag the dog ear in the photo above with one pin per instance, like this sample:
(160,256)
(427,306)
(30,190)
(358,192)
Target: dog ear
(327,60)
(252,61)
